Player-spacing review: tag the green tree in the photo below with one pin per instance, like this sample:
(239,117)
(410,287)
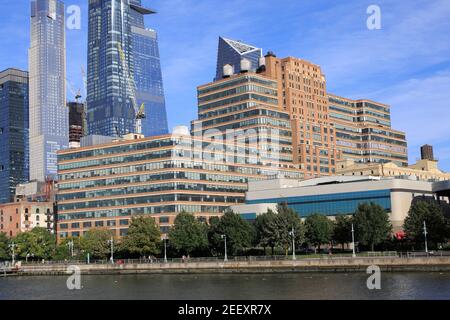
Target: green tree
(266,230)
(61,253)
(38,243)
(143,238)
(342,232)
(188,235)
(214,238)
(287,219)
(239,232)
(372,224)
(319,230)
(95,242)
(4,250)
(431,213)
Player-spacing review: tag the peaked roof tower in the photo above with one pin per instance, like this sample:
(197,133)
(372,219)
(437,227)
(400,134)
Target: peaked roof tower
(232,52)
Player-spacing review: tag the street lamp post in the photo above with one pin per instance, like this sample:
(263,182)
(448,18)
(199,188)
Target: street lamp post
(292,233)
(224,236)
(353,242)
(13,252)
(28,255)
(425,233)
(165,249)
(70,245)
(111,242)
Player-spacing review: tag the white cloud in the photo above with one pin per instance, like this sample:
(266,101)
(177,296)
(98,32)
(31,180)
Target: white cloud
(411,38)
(420,106)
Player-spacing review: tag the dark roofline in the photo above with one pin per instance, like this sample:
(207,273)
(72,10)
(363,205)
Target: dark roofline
(141,9)
(15,69)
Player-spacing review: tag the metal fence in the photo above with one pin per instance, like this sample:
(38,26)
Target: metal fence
(386,254)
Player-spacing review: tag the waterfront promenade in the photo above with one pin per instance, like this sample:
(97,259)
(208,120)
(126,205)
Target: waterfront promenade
(241,265)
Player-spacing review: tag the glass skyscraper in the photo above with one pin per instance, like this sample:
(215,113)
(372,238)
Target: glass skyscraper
(48,116)
(123,70)
(14,162)
(147,73)
(232,52)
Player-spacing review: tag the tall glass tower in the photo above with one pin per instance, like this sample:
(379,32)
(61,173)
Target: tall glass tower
(232,52)
(48,116)
(124,73)
(110,106)
(147,73)
(14,165)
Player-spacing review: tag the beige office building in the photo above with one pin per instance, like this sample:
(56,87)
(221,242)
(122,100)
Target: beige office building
(424,170)
(364,133)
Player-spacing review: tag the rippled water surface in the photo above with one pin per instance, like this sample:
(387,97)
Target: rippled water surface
(232,286)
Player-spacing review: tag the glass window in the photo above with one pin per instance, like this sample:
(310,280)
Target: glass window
(163,219)
(87,224)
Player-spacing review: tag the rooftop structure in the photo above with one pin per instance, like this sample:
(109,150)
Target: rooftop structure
(231,52)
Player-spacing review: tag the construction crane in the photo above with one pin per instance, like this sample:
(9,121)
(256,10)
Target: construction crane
(131,86)
(76,95)
(83,74)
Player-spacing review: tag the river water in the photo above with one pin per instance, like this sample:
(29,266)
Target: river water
(425,285)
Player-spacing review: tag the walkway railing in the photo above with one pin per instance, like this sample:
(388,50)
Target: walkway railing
(386,254)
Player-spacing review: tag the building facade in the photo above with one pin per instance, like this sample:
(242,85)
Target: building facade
(77,122)
(147,73)
(110,83)
(302,94)
(48,115)
(244,108)
(24,216)
(232,52)
(424,170)
(105,185)
(333,196)
(364,133)
(124,71)
(14,152)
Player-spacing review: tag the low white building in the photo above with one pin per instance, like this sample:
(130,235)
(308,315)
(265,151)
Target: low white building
(338,195)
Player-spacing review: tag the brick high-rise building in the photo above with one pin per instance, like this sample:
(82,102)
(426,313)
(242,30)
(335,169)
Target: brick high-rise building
(302,94)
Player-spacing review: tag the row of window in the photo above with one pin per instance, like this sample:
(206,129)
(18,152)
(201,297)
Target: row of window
(154,144)
(208,151)
(332,204)
(163,209)
(238,90)
(152,188)
(148,200)
(234,82)
(237,99)
(103,223)
(246,114)
(230,109)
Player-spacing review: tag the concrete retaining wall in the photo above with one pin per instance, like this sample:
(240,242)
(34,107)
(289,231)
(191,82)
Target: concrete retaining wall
(304,265)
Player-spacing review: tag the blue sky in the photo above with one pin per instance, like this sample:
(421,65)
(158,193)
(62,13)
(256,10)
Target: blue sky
(405,64)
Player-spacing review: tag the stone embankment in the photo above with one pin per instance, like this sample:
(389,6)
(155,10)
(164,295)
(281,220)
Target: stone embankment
(437,264)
